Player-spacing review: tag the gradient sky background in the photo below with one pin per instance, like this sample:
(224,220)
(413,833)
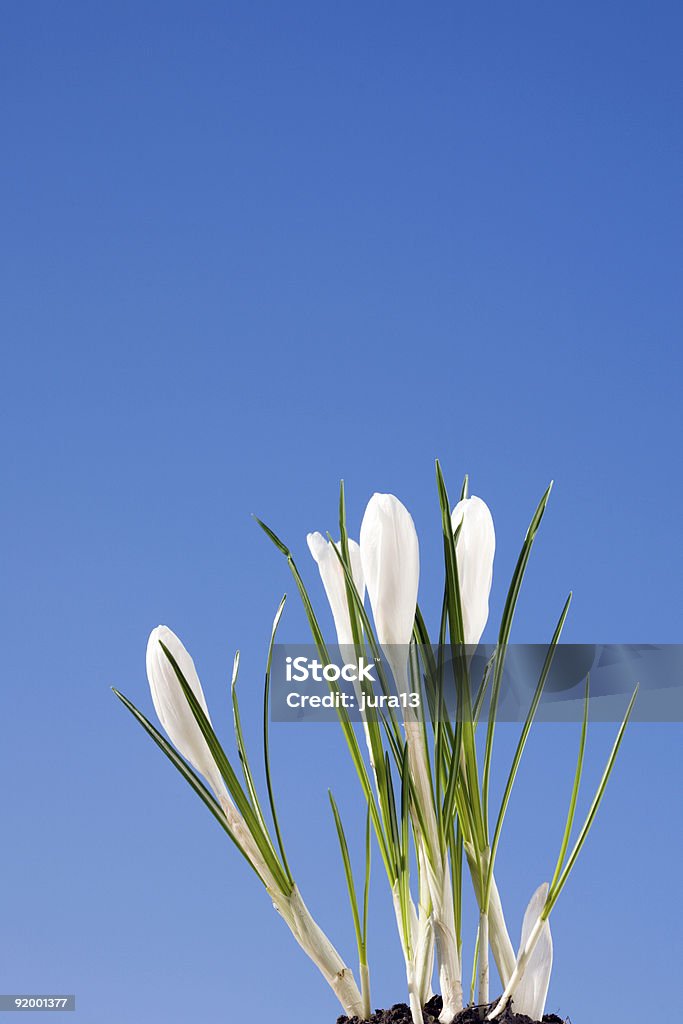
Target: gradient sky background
(249,248)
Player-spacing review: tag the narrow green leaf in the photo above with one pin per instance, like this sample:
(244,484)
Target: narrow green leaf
(348,872)
(531,714)
(553,894)
(266,739)
(241,747)
(455,848)
(393,833)
(465,722)
(483,687)
(575,789)
(366,886)
(503,637)
(274,537)
(356,628)
(475,963)
(465,490)
(406,802)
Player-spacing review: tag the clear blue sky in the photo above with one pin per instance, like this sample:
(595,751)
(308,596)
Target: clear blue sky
(249,248)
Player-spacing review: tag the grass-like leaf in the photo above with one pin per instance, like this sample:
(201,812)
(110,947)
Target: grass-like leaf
(503,638)
(358,924)
(554,893)
(241,746)
(575,789)
(266,739)
(531,714)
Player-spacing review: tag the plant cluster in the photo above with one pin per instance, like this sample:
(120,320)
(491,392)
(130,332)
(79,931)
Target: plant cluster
(424,778)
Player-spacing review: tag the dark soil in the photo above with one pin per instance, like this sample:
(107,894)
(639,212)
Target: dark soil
(400,1014)
(476,1014)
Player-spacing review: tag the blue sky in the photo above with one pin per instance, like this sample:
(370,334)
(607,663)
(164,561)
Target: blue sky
(252,248)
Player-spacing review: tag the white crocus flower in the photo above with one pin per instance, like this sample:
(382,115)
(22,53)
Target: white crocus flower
(171,706)
(530,993)
(180,725)
(475,548)
(334,581)
(390,556)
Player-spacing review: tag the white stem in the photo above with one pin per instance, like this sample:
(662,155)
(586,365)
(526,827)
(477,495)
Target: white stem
(243,836)
(409,956)
(414,996)
(407,943)
(522,961)
(439,881)
(315,943)
(424,959)
(499,937)
(423,941)
(438,873)
(447,955)
(294,912)
(419,966)
(365,990)
(483,991)
(420,932)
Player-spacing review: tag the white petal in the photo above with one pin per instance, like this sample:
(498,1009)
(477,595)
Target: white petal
(531,991)
(390,557)
(356,567)
(170,704)
(475,550)
(317,545)
(334,581)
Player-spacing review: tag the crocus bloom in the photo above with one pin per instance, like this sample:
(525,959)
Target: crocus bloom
(390,556)
(180,725)
(530,992)
(334,581)
(475,549)
(182,729)
(171,706)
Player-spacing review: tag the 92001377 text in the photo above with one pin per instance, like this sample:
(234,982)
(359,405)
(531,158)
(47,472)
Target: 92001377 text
(37,1002)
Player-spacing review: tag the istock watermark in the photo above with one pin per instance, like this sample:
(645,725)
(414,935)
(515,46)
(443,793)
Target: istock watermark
(303,669)
(309,684)
(361,675)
